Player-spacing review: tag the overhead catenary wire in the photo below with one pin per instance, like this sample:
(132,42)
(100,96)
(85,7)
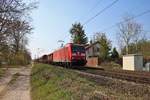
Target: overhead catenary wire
(100,12)
(81,18)
(138,15)
(94,7)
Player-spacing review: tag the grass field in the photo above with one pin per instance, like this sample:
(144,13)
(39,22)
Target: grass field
(56,83)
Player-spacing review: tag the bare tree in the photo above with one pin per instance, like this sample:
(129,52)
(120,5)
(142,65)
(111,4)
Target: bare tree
(16,6)
(11,10)
(129,32)
(20,29)
(14,25)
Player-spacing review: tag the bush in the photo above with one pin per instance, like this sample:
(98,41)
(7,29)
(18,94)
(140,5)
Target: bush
(114,54)
(19,59)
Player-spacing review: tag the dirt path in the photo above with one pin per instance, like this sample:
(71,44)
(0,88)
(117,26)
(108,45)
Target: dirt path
(19,89)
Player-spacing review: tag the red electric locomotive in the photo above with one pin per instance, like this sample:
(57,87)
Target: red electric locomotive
(70,54)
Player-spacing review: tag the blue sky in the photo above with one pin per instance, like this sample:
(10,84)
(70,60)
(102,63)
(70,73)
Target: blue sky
(53,19)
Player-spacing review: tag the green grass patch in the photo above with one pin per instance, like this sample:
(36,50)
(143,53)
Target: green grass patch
(56,83)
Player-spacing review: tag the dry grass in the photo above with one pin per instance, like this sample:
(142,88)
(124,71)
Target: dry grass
(56,83)
(111,66)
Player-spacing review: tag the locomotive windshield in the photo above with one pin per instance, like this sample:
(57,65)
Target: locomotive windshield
(77,48)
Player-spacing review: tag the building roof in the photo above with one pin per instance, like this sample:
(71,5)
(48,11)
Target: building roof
(91,45)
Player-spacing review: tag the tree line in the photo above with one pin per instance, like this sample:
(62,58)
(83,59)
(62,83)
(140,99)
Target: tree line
(132,39)
(14,30)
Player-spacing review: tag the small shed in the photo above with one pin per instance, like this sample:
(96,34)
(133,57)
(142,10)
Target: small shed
(133,62)
(92,54)
(93,50)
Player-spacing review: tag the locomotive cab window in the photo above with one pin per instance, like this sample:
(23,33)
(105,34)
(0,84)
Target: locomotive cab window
(76,48)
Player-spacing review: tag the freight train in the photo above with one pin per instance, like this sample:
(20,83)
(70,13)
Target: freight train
(68,56)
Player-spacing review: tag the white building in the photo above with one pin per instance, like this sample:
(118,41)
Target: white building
(133,62)
(147,67)
(93,50)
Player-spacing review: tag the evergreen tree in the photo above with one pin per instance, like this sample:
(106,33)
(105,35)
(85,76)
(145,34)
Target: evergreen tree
(78,34)
(105,45)
(114,54)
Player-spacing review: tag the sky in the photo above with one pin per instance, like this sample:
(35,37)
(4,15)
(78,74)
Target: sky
(53,19)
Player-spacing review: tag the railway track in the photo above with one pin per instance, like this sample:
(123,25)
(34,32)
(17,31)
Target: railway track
(137,77)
